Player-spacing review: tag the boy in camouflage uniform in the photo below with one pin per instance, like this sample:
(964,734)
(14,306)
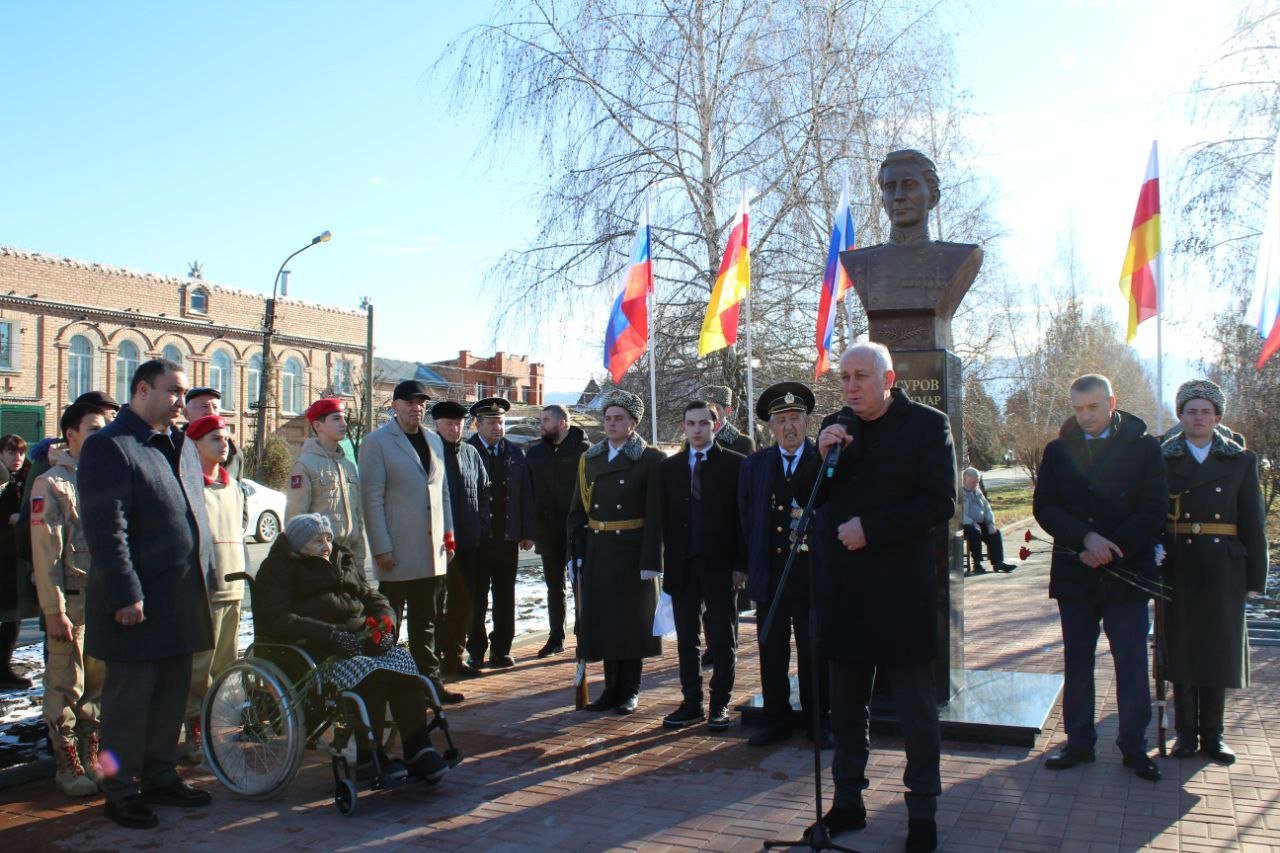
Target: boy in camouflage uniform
(60,557)
(324,480)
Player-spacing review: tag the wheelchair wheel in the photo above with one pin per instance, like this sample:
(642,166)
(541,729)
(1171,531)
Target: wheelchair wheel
(253,731)
(344,797)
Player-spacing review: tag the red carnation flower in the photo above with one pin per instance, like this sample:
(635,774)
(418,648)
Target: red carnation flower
(1024,552)
(377,637)
(387,625)
(1027,538)
(370,622)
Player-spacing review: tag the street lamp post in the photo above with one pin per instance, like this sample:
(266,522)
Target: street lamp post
(265,403)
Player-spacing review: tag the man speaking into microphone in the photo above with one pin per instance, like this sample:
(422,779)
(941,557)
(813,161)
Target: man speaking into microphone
(894,481)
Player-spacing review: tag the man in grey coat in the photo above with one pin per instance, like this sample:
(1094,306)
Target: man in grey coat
(409,521)
(146,608)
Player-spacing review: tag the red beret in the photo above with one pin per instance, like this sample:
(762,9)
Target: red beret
(201,427)
(322,407)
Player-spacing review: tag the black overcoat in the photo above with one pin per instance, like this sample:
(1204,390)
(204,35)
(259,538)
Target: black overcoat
(518,524)
(149,541)
(1209,574)
(756,487)
(723,551)
(554,470)
(879,605)
(1114,487)
(616,606)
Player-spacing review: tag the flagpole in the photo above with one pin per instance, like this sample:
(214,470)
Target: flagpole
(1160,371)
(650,304)
(751,386)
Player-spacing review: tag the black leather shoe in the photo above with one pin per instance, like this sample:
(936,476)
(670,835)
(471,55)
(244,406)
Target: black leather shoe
(1215,748)
(177,793)
(467,670)
(426,764)
(1184,746)
(686,715)
(131,813)
(608,699)
(770,735)
(1143,767)
(628,704)
(553,647)
(1004,567)
(922,835)
(838,820)
(392,771)
(1066,758)
(501,661)
(979,570)
(10,680)
(719,720)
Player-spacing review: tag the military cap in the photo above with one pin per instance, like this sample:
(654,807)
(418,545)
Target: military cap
(201,427)
(203,391)
(617,397)
(1201,389)
(716,394)
(98,400)
(448,409)
(411,389)
(785,397)
(323,407)
(490,407)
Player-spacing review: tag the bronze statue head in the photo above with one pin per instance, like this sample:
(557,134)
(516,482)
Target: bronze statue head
(908,183)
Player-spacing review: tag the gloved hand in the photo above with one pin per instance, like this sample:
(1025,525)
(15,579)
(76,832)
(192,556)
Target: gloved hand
(572,569)
(649,575)
(348,643)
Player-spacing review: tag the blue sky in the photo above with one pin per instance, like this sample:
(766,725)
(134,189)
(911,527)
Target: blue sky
(148,135)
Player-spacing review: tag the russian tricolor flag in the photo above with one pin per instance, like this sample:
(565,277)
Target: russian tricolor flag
(627,336)
(1264,307)
(835,281)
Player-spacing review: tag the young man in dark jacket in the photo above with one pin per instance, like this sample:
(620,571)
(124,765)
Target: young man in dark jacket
(553,465)
(469,495)
(1101,493)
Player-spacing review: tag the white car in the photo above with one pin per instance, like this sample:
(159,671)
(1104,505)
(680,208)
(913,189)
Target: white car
(265,509)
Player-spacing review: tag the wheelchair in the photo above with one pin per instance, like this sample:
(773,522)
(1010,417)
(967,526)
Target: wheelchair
(255,724)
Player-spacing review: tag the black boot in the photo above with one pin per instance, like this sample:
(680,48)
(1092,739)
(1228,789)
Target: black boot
(1213,702)
(609,697)
(628,698)
(1186,713)
(421,759)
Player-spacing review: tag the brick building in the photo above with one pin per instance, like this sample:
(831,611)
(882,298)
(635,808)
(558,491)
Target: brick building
(512,377)
(69,326)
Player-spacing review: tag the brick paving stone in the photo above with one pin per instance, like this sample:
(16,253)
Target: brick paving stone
(539,775)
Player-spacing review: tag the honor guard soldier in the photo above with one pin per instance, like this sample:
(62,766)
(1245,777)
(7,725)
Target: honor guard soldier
(510,527)
(325,480)
(1216,554)
(727,436)
(615,546)
(770,499)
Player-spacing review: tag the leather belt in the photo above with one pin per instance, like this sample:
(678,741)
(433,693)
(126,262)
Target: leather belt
(606,526)
(1204,529)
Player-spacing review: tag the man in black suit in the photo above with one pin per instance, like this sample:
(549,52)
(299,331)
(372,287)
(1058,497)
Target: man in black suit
(877,600)
(770,498)
(147,606)
(704,563)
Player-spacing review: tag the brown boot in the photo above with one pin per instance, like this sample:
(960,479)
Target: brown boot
(71,778)
(190,751)
(88,746)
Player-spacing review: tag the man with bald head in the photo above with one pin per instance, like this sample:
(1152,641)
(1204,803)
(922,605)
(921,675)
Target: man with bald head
(894,483)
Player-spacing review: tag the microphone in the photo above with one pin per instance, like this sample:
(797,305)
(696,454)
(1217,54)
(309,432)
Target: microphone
(845,418)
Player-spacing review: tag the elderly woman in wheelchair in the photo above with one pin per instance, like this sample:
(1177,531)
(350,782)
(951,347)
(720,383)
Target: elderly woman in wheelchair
(310,604)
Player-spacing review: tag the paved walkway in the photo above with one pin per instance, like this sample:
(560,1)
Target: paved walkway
(539,775)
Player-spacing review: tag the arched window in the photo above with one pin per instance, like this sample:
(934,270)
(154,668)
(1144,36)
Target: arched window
(172,353)
(127,360)
(198,301)
(221,378)
(342,377)
(80,367)
(253,379)
(291,387)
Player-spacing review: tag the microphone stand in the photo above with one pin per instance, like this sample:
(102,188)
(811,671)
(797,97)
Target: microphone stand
(819,838)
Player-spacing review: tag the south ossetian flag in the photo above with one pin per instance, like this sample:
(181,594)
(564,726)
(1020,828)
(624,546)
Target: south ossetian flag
(1142,278)
(627,335)
(720,326)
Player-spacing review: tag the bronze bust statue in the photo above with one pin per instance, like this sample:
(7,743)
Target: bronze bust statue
(911,285)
